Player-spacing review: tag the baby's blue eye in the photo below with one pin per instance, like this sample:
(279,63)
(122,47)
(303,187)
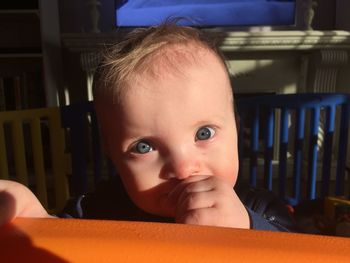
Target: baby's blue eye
(205,133)
(143,147)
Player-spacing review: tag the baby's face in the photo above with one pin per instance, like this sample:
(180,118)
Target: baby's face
(170,128)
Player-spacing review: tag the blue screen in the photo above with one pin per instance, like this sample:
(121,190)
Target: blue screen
(206,13)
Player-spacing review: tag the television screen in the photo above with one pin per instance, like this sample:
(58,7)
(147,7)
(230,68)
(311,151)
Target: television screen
(206,13)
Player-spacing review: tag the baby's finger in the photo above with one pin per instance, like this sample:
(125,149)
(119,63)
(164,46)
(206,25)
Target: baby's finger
(202,216)
(195,200)
(174,194)
(205,185)
(196,178)
(188,185)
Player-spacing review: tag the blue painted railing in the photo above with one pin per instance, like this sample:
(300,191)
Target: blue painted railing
(254,111)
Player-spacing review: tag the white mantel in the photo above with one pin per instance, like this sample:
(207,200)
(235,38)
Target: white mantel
(232,41)
(269,61)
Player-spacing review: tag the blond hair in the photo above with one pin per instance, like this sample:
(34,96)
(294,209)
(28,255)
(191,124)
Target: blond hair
(122,60)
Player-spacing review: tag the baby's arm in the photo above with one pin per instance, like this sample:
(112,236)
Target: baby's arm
(16,200)
(208,200)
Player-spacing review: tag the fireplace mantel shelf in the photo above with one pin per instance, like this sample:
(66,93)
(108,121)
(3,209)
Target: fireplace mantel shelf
(230,41)
(311,60)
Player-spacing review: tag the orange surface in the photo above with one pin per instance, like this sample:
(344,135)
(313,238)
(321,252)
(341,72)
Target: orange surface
(71,240)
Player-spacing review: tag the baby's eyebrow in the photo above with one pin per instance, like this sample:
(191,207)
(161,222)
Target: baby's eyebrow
(130,140)
(213,120)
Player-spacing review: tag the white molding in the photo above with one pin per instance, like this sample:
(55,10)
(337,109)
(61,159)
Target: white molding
(231,41)
(329,63)
(286,40)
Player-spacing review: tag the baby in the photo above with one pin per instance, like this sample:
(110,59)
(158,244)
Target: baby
(165,107)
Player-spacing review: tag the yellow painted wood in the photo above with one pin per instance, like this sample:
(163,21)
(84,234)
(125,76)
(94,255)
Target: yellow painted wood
(4,173)
(57,147)
(38,159)
(19,152)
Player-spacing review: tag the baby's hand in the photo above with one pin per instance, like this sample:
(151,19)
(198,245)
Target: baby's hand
(16,200)
(209,200)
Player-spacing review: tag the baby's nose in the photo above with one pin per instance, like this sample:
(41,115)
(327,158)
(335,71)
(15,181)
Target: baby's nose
(183,168)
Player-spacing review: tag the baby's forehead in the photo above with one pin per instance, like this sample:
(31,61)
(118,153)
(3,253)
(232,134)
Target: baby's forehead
(169,63)
(173,59)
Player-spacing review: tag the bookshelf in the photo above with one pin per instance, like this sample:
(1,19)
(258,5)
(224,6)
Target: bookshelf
(29,69)
(20,56)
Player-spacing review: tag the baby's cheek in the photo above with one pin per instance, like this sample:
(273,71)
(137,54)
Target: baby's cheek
(222,158)
(138,174)
(145,187)
(227,170)
(230,176)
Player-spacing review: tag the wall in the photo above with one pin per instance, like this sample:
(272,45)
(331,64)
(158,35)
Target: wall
(343,15)
(265,72)
(75,16)
(325,15)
